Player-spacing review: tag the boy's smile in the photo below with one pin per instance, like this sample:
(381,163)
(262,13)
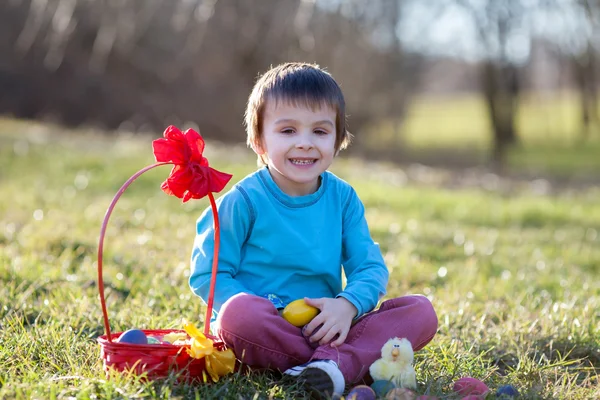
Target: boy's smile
(299,144)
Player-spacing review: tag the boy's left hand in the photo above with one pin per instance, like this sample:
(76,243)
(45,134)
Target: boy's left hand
(334,319)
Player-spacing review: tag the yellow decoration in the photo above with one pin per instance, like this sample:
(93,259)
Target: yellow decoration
(172,337)
(218,363)
(298,313)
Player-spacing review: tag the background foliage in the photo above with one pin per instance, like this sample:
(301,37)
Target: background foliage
(140,65)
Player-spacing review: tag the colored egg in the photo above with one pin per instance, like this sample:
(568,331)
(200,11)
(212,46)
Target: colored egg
(298,313)
(382,387)
(401,394)
(153,340)
(507,391)
(134,336)
(468,385)
(361,392)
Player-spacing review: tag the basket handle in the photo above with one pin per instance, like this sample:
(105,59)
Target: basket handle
(215,262)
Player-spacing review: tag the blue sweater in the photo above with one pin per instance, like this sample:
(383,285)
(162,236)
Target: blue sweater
(293,247)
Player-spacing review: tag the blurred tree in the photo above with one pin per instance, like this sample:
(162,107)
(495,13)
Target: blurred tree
(585,72)
(585,67)
(498,24)
(577,42)
(149,63)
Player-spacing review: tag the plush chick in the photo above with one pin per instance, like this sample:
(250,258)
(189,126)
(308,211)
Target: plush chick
(395,364)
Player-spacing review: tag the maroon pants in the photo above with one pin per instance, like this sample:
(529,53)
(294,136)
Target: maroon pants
(261,338)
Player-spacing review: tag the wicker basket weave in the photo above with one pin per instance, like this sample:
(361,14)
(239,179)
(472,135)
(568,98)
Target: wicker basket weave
(155,360)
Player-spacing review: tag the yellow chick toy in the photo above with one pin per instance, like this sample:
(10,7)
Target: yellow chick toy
(395,364)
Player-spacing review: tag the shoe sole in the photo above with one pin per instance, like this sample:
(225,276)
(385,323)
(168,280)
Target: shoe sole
(317,383)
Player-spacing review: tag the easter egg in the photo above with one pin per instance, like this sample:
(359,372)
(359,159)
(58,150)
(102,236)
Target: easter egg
(468,385)
(507,391)
(153,340)
(134,336)
(382,387)
(361,392)
(298,313)
(401,394)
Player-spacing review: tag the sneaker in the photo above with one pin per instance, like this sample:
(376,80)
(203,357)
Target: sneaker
(322,378)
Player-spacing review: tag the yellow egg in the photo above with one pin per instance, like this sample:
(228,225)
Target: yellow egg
(298,313)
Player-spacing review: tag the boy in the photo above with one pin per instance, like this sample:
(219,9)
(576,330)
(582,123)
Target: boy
(287,231)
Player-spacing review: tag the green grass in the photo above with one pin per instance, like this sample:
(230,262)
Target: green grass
(513,275)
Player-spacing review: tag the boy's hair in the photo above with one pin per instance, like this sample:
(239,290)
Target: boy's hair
(303,85)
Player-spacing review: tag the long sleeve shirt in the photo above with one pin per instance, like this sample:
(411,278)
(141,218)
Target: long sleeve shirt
(293,247)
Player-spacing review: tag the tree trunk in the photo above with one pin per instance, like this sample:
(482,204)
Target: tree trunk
(501,89)
(585,77)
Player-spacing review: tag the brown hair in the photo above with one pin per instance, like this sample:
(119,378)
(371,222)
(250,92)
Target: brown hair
(303,85)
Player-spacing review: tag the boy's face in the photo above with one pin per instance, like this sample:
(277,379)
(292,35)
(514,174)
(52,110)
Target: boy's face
(299,145)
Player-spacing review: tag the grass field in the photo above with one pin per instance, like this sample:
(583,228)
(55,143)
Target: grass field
(548,126)
(513,275)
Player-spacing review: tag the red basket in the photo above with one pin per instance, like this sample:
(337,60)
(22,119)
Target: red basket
(156,360)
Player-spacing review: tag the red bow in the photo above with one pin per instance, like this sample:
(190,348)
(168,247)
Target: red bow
(191,177)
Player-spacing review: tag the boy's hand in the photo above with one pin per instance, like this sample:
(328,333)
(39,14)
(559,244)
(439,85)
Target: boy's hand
(334,319)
